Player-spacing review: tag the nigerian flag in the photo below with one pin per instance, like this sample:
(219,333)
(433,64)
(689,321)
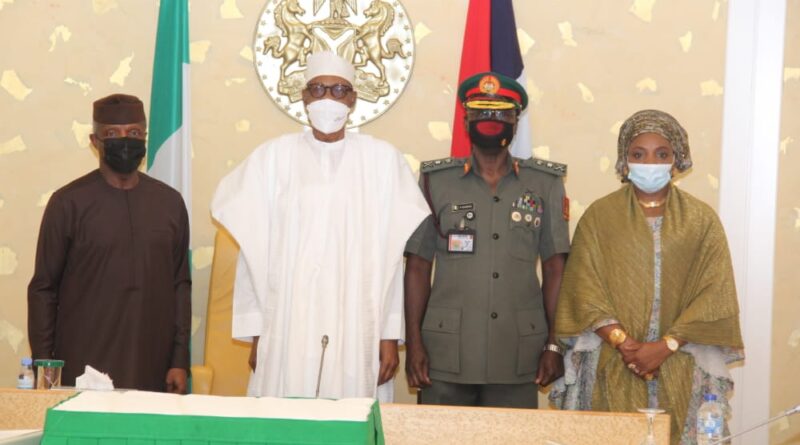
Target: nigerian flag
(169,152)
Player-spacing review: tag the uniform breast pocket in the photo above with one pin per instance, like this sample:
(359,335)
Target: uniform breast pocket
(525,222)
(441,335)
(524,236)
(454,220)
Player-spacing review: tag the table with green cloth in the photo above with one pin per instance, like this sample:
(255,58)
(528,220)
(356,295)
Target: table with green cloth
(148,418)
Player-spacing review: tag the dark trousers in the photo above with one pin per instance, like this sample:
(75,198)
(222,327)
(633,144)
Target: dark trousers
(522,395)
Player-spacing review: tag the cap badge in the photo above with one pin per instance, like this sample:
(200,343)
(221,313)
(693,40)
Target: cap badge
(489,84)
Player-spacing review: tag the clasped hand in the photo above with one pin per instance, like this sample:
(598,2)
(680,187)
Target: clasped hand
(643,358)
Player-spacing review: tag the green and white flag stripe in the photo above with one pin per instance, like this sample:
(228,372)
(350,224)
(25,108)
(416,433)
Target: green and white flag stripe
(169,154)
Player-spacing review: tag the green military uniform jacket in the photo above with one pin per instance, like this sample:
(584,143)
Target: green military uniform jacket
(485,322)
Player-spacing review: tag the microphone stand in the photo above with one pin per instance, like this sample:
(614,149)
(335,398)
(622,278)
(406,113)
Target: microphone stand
(321,361)
(786,413)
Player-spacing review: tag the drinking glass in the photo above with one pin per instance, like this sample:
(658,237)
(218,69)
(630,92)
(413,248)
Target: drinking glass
(651,413)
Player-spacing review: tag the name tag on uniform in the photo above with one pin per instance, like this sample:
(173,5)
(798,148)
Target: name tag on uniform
(461,241)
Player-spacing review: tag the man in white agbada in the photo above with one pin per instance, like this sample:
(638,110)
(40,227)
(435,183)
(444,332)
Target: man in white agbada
(321,219)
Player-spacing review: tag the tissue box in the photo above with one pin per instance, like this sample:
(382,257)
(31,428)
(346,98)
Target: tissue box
(139,418)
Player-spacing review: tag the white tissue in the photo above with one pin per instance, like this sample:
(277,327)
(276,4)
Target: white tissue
(94,379)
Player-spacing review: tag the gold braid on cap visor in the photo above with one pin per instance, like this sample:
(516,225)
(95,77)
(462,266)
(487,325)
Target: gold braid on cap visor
(488,104)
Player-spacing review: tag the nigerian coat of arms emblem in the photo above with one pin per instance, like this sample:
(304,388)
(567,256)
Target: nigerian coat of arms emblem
(375,35)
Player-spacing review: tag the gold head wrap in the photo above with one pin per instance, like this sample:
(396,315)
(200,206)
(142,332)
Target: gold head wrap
(658,122)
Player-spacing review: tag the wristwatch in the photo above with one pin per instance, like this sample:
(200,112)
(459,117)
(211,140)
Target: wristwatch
(672,343)
(553,347)
(617,337)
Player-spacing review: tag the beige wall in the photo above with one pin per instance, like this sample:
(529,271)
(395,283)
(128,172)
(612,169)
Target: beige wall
(590,64)
(785,391)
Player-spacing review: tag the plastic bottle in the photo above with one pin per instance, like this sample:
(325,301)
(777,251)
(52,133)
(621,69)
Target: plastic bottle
(710,421)
(25,380)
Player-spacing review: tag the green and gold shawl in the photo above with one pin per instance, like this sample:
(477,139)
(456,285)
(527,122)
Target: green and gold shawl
(609,275)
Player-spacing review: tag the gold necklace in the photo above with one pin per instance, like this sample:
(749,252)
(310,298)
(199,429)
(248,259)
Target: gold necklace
(652,204)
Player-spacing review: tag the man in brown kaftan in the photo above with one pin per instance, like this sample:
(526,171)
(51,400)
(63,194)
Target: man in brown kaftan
(111,287)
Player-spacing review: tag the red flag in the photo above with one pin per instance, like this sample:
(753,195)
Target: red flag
(490,44)
(475,58)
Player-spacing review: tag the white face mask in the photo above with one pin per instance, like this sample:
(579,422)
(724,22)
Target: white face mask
(327,115)
(649,178)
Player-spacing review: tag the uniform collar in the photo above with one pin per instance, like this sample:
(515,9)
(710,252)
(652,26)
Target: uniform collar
(471,165)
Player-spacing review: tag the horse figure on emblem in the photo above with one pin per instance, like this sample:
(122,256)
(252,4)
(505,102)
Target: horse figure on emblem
(295,31)
(380,17)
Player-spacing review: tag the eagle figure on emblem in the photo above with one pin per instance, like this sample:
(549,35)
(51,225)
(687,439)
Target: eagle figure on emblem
(338,8)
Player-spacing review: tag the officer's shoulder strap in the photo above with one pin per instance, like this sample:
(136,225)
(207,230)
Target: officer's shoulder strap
(554,168)
(441,164)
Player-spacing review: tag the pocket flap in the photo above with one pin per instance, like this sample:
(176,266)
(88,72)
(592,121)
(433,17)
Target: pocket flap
(440,319)
(528,323)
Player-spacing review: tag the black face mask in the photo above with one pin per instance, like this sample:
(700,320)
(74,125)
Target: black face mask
(491,142)
(123,155)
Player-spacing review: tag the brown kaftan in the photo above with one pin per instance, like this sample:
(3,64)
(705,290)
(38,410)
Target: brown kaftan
(111,287)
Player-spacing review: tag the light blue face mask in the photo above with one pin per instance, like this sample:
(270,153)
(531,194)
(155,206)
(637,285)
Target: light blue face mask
(649,178)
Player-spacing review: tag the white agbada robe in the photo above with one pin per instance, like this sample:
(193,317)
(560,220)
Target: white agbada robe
(321,229)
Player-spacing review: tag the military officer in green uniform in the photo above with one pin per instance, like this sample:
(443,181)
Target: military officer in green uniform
(482,334)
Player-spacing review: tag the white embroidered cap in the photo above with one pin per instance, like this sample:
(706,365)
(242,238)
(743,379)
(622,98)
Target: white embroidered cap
(327,63)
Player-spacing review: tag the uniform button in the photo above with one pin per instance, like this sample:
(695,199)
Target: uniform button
(496,199)
(494,314)
(495,275)
(495,236)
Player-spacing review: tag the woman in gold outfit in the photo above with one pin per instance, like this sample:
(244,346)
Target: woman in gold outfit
(648,305)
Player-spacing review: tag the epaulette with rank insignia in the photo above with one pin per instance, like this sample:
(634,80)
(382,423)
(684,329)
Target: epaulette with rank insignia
(441,164)
(554,168)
